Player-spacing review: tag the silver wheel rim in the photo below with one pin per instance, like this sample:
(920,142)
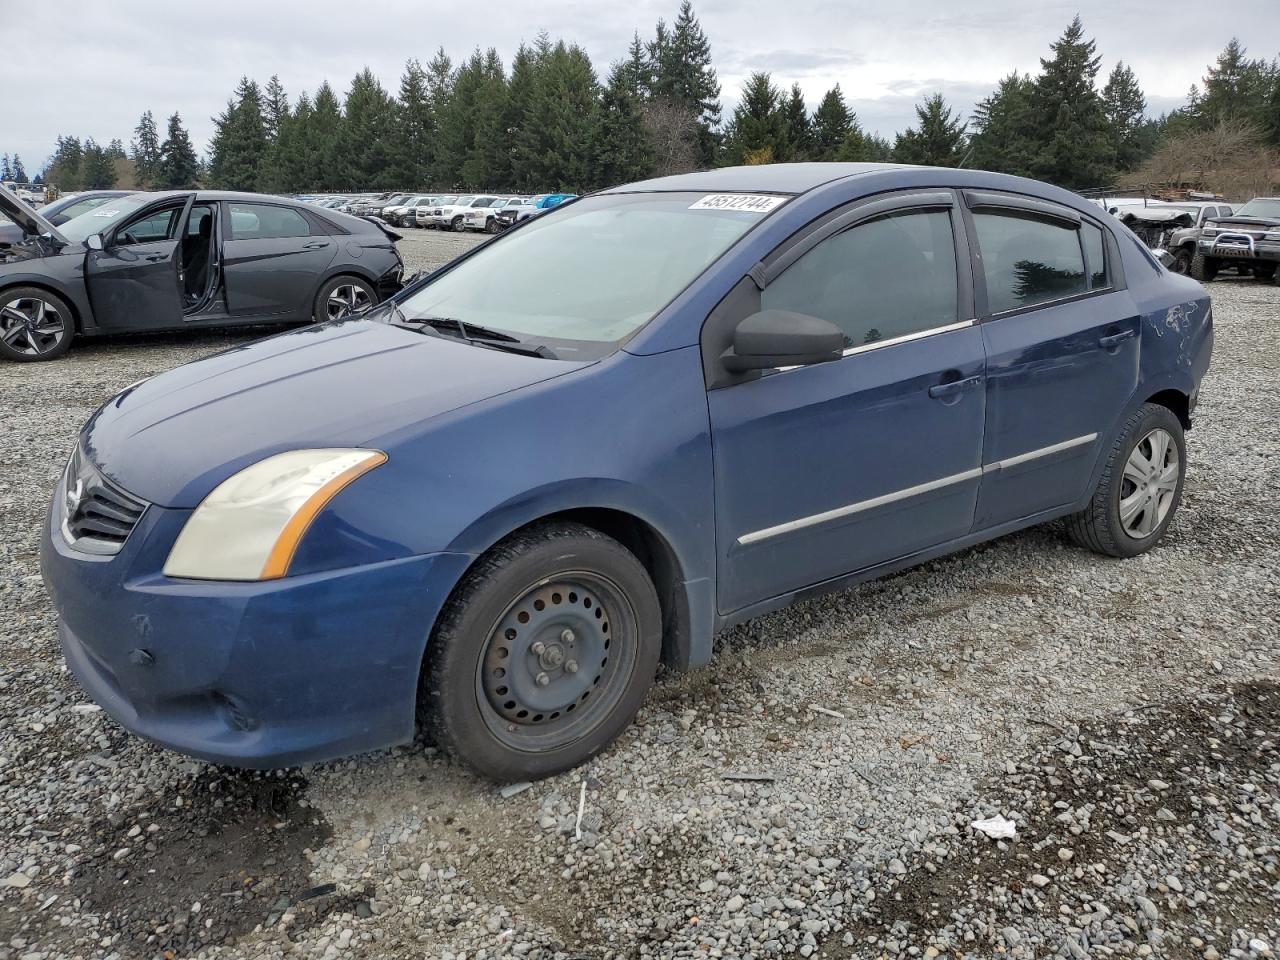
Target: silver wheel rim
(1149,483)
(31,326)
(347,299)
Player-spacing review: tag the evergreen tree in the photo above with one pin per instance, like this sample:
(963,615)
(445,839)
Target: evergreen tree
(832,122)
(622,150)
(457,124)
(1126,109)
(799,130)
(758,130)
(115,149)
(179,168)
(238,149)
(6,171)
(939,141)
(322,144)
(518,110)
(412,146)
(683,74)
(145,149)
(367,134)
(96,169)
(288,166)
(440,81)
(64,169)
(1073,146)
(19,174)
(275,108)
(639,68)
(1235,88)
(862,147)
(489,163)
(556,151)
(1003,121)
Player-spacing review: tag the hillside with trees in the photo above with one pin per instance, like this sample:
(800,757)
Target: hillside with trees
(550,120)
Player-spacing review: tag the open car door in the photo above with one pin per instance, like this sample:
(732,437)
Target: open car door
(134,271)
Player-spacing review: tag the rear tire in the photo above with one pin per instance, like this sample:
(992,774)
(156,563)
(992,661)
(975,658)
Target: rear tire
(1140,489)
(341,297)
(1203,268)
(543,654)
(35,325)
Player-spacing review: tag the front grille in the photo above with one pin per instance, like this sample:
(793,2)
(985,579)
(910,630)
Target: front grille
(97,515)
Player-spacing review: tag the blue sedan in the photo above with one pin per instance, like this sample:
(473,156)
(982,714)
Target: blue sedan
(495,505)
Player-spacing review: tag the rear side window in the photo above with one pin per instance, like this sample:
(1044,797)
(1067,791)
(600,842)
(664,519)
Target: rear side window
(1028,260)
(264,221)
(1095,255)
(879,280)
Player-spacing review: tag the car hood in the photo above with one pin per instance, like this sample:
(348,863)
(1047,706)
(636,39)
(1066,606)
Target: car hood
(25,216)
(171,439)
(1244,223)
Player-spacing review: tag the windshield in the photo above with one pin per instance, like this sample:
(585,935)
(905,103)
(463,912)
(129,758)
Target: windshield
(102,218)
(1268,207)
(621,258)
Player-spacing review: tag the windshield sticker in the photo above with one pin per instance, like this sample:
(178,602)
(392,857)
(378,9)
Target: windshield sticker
(105,213)
(746,202)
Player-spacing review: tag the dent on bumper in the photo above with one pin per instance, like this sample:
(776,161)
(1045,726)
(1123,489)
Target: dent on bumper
(263,675)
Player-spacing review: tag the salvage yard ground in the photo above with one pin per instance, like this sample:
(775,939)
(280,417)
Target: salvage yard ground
(808,794)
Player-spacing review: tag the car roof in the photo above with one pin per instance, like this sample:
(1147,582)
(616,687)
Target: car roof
(768,177)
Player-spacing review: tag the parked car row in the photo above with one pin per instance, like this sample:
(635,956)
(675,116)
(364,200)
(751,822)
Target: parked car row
(487,213)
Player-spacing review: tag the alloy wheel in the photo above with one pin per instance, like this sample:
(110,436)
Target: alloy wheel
(557,662)
(346,300)
(31,326)
(1149,483)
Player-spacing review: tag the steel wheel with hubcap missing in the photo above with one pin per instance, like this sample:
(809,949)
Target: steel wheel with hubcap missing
(1149,483)
(543,653)
(547,675)
(34,325)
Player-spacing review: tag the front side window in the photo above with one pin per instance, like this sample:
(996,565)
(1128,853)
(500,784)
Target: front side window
(1028,260)
(880,280)
(622,258)
(1095,254)
(148,228)
(264,221)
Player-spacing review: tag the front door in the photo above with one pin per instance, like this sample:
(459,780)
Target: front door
(827,469)
(135,281)
(1062,341)
(272,259)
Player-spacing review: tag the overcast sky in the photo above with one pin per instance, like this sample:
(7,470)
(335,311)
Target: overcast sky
(94,67)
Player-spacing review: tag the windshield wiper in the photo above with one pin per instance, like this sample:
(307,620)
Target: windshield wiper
(479,335)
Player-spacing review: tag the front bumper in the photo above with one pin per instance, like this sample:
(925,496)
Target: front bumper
(1240,246)
(263,675)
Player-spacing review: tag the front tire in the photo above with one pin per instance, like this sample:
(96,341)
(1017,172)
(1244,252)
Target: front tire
(35,325)
(1203,268)
(341,297)
(1140,489)
(1182,258)
(456,225)
(543,655)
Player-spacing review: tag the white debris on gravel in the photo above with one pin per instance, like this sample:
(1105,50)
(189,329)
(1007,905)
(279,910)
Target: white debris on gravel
(1124,715)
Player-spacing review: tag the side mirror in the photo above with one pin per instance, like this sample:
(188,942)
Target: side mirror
(780,338)
(94,241)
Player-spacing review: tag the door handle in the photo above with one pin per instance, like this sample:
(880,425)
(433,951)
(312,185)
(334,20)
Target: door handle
(315,245)
(1115,339)
(155,257)
(950,389)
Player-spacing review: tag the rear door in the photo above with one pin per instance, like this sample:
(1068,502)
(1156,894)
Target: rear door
(273,257)
(826,469)
(135,281)
(1062,340)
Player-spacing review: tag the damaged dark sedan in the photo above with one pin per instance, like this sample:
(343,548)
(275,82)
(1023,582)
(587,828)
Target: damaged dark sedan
(185,259)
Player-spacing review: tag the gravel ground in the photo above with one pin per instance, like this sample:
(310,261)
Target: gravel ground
(811,793)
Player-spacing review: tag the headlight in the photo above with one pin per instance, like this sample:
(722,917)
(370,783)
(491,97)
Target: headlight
(250,526)
(1271,235)
(1209,232)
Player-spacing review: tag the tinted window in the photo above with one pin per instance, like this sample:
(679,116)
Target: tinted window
(877,281)
(148,228)
(1094,255)
(263,221)
(82,206)
(1028,260)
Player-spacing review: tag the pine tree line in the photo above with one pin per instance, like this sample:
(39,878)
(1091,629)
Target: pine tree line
(550,122)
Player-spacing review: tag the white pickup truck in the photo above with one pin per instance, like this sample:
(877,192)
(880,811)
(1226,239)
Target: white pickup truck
(450,216)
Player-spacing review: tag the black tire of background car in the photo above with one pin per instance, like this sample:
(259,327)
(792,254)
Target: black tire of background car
(450,707)
(1266,272)
(1203,268)
(456,224)
(1182,260)
(1097,527)
(492,226)
(319,308)
(64,310)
